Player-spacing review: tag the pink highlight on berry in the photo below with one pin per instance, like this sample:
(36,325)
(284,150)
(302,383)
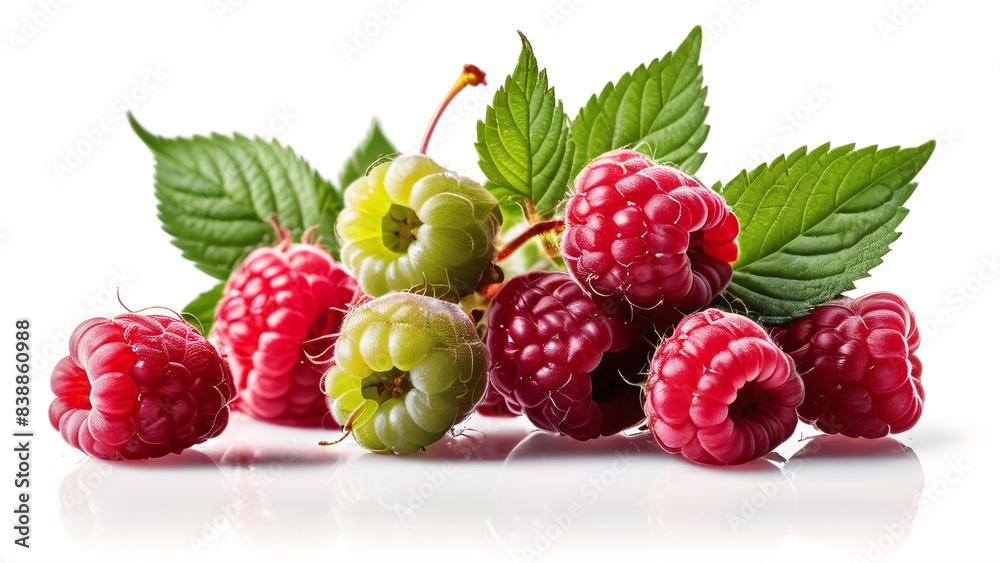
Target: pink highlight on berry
(857,360)
(720,392)
(277,323)
(137,387)
(559,358)
(648,236)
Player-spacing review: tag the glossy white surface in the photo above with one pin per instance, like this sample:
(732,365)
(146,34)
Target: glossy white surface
(780,75)
(502,492)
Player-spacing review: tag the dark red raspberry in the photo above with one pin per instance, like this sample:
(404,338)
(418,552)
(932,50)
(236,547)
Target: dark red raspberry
(277,323)
(136,387)
(559,358)
(856,360)
(493,403)
(649,236)
(720,392)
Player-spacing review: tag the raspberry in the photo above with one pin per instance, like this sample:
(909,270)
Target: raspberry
(413,223)
(558,357)
(493,403)
(274,323)
(136,387)
(407,368)
(857,363)
(649,236)
(720,392)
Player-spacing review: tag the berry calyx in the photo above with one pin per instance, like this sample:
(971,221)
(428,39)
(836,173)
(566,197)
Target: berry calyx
(720,392)
(277,322)
(562,359)
(648,236)
(408,367)
(138,387)
(857,360)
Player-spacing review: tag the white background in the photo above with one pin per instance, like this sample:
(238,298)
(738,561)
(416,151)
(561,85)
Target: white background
(882,73)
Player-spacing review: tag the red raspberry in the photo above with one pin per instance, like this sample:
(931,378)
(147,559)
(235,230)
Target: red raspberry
(556,356)
(720,391)
(857,363)
(276,322)
(493,403)
(649,236)
(136,387)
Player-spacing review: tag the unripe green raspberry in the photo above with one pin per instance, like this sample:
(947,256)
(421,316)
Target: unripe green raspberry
(412,223)
(407,368)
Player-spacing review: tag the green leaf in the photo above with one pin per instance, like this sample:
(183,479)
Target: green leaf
(215,195)
(373,147)
(658,109)
(203,307)
(331,202)
(813,223)
(524,146)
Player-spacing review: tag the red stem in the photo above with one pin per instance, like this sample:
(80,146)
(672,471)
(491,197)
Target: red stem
(471,76)
(554,225)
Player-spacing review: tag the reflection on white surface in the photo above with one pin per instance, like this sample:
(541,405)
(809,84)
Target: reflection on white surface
(282,489)
(496,492)
(397,503)
(857,496)
(555,494)
(165,504)
(708,513)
